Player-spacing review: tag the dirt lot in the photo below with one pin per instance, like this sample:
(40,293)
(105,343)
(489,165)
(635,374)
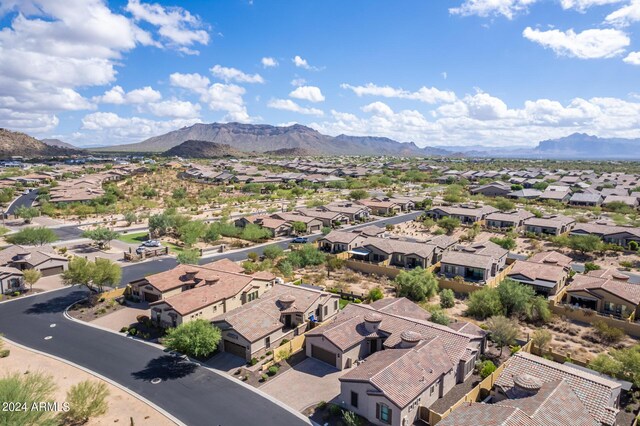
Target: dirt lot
(124,409)
(346,280)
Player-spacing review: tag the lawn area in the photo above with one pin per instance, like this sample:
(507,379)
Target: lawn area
(140,237)
(343,303)
(134,238)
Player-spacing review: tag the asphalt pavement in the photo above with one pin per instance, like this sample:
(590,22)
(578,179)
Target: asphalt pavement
(193,394)
(24,200)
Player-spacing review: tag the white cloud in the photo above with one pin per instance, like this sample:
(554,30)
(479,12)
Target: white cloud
(298,82)
(308,93)
(177,27)
(626,15)
(113,128)
(289,105)
(429,95)
(269,62)
(175,108)
(302,63)
(589,44)
(31,123)
(486,8)
(233,74)
(633,58)
(217,96)
(116,95)
(583,5)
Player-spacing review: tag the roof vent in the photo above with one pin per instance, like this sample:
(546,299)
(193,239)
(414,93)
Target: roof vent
(620,276)
(527,382)
(551,261)
(409,339)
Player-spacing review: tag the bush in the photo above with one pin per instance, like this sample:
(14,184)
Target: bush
(253,361)
(32,388)
(335,409)
(439,317)
(375,294)
(590,266)
(486,368)
(606,333)
(484,303)
(515,348)
(264,377)
(124,329)
(4,353)
(633,246)
(86,399)
(273,370)
(447,298)
(195,338)
(417,284)
(356,300)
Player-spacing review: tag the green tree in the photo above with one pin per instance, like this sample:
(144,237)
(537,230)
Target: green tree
(307,255)
(86,399)
(188,257)
(541,338)
(358,194)
(416,284)
(438,316)
(484,303)
(620,363)
(585,243)
(333,263)
(514,296)
(299,227)
(506,242)
(130,218)
(285,268)
(255,233)
(34,236)
(101,235)
(449,224)
(325,230)
(191,231)
(31,276)
(272,252)
(447,298)
(27,213)
(503,331)
(590,266)
(375,294)
(503,204)
(92,275)
(32,388)
(485,368)
(196,338)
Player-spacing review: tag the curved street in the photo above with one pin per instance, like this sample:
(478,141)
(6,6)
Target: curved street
(193,394)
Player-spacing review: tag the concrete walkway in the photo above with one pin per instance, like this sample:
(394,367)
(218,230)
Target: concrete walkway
(122,317)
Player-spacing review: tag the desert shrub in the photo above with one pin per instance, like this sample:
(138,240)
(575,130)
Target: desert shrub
(87,399)
(273,370)
(606,333)
(485,368)
(447,298)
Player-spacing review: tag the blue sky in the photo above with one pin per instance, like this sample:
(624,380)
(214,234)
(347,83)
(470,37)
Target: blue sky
(455,72)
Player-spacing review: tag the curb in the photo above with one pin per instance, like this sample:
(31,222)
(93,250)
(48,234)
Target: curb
(106,379)
(35,294)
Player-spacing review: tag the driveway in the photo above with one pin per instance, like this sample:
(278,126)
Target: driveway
(224,361)
(305,384)
(122,317)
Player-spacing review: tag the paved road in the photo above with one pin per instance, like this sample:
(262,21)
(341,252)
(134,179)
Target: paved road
(139,270)
(25,200)
(194,395)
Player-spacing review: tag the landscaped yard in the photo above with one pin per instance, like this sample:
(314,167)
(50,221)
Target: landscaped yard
(140,237)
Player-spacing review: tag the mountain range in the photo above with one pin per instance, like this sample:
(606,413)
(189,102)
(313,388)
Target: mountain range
(262,138)
(58,143)
(21,144)
(202,149)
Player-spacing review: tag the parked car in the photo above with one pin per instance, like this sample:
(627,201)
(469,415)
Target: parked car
(300,240)
(152,243)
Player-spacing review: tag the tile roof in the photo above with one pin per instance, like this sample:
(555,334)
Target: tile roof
(617,287)
(538,271)
(389,246)
(551,257)
(593,391)
(34,255)
(401,306)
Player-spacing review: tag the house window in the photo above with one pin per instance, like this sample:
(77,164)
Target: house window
(326,310)
(383,413)
(431,391)
(215,308)
(354,399)
(335,305)
(252,296)
(267,342)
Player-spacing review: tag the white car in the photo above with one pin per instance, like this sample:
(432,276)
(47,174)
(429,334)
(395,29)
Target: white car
(152,243)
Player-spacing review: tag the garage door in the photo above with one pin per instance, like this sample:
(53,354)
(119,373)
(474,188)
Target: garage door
(150,297)
(235,349)
(55,270)
(323,355)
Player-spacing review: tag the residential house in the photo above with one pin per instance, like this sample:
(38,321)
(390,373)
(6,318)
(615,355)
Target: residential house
(477,262)
(285,312)
(313,224)
(279,227)
(624,199)
(534,391)
(381,208)
(507,220)
(561,194)
(355,212)
(525,194)
(11,280)
(328,218)
(549,225)
(612,234)
(552,258)
(341,241)
(607,294)
(585,199)
(403,254)
(493,189)
(43,259)
(546,277)
(399,362)
(467,215)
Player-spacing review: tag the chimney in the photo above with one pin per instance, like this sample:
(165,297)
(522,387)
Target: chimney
(527,384)
(190,274)
(408,339)
(372,322)
(286,300)
(211,280)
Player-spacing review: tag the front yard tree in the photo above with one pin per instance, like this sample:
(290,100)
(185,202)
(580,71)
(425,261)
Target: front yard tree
(449,224)
(27,213)
(504,331)
(92,275)
(101,235)
(34,236)
(189,257)
(299,227)
(31,276)
(190,232)
(333,264)
(417,284)
(196,338)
